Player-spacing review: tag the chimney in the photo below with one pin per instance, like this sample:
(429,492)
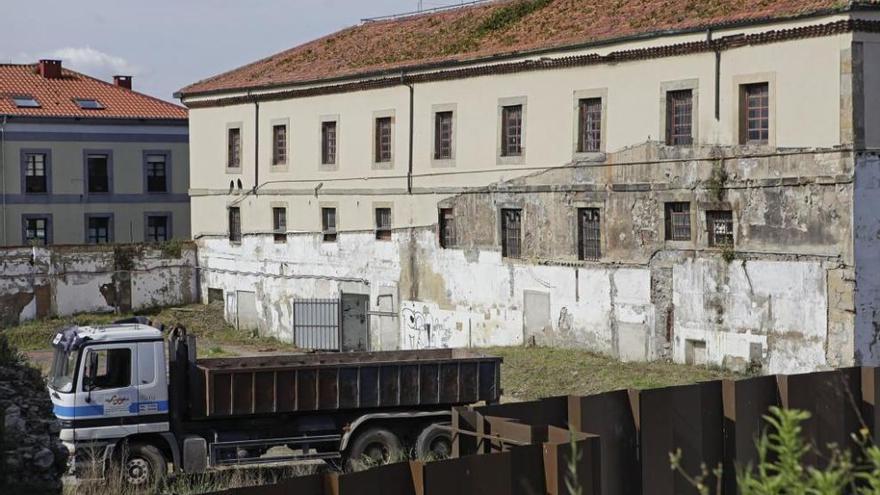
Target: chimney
(50,69)
(122,81)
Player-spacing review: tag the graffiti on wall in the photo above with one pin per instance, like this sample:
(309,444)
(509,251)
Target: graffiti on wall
(424,331)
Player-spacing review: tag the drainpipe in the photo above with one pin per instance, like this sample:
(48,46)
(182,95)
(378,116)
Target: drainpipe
(717,74)
(256,144)
(412,92)
(3,176)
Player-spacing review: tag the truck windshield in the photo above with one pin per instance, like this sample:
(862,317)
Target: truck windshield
(63,366)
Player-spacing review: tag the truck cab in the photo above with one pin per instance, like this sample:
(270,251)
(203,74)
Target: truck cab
(108,383)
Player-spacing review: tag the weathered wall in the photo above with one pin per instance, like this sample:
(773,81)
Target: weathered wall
(866,232)
(63,280)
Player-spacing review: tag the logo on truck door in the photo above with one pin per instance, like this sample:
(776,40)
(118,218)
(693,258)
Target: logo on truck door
(116,404)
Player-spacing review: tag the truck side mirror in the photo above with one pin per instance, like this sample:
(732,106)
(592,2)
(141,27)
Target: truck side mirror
(91,372)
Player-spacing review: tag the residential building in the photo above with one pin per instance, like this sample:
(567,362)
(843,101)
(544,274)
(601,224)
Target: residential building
(88,161)
(648,181)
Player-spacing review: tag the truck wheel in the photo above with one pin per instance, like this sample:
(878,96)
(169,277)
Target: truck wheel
(434,442)
(373,447)
(144,465)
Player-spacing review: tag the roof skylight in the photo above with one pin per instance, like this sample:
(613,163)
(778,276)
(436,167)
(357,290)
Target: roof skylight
(25,102)
(89,104)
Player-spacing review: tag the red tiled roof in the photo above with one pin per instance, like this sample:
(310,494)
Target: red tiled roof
(496,28)
(56,96)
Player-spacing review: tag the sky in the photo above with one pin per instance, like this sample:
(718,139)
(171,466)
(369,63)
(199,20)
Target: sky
(167,44)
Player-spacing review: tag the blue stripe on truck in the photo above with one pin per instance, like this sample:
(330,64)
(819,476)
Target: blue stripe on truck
(98,410)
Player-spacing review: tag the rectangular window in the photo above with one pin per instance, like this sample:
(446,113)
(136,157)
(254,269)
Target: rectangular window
(98,173)
(328,224)
(98,230)
(383,224)
(88,104)
(447,228)
(719,226)
(279,145)
(157,228)
(511,130)
(233,150)
(279,224)
(112,369)
(156,174)
(589,234)
(589,125)
(679,115)
(35,179)
(383,139)
(36,231)
(234,224)
(678,221)
(754,115)
(328,143)
(443,136)
(511,233)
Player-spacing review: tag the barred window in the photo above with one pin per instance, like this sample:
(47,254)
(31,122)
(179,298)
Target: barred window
(589,125)
(328,143)
(383,139)
(156,174)
(328,224)
(279,224)
(234,224)
(383,224)
(233,151)
(589,234)
(754,113)
(443,136)
(447,228)
(719,226)
(511,233)
(35,180)
(157,228)
(678,221)
(679,117)
(279,144)
(511,130)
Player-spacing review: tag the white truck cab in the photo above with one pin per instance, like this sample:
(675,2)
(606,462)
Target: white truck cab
(108,383)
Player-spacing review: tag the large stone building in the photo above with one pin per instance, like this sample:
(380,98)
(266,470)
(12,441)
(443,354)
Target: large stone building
(88,161)
(687,180)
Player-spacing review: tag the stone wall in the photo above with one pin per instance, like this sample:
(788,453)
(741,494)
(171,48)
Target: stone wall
(62,280)
(32,457)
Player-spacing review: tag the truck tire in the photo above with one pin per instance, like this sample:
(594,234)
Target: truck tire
(373,447)
(434,442)
(143,465)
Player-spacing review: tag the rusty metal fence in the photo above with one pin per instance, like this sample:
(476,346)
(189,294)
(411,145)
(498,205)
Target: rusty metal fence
(317,324)
(622,439)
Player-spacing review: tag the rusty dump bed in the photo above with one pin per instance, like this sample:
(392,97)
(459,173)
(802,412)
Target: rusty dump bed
(330,382)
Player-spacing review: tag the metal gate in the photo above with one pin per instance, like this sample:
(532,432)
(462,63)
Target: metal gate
(316,324)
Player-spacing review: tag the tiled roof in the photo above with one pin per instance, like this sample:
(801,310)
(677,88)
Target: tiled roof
(56,96)
(496,28)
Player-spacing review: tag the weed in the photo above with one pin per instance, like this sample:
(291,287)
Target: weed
(717,181)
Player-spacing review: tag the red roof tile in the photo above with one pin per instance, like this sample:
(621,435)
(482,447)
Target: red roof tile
(56,96)
(495,28)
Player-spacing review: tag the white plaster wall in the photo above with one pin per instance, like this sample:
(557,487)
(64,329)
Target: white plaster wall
(464,299)
(75,277)
(781,305)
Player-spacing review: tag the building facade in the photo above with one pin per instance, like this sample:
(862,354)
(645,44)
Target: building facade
(87,161)
(699,188)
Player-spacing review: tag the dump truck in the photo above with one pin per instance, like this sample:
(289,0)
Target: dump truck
(135,396)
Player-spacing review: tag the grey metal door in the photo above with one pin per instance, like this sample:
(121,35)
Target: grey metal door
(355,324)
(316,324)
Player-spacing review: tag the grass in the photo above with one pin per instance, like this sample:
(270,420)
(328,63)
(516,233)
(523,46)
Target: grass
(204,321)
(533,372)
